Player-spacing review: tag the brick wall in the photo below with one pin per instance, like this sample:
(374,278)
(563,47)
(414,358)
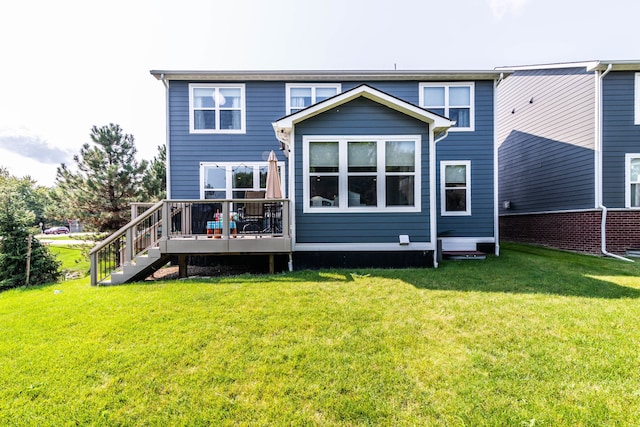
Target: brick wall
(574,231)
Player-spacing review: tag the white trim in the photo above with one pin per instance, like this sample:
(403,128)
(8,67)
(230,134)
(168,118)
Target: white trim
(463,243)
(343,201)
(168,140)
(597,148)
(627,178)
(243,109)
(443,199)
(568,211)
(292,193)
(496,195)
(588,65)
(446,106)
(433,214)
(636,102)
(373,247)
(313,87)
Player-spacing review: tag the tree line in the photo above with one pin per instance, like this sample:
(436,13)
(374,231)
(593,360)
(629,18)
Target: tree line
(98,190)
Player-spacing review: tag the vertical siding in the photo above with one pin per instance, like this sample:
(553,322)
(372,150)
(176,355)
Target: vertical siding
(620,134)
(265,103)
(546,137)
(361,117)
(478,147)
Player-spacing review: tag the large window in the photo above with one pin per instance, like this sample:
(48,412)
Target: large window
(455,187)
(452,100)
(300,95)
(362,173)
(216,108)
(232,180)
(632,178)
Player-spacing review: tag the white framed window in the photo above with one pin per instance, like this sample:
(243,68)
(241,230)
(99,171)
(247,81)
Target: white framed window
(217,108)
(453,100)
(228,180)
(637,99)
(455,187)
(632,180)
(361,173)
(303,95)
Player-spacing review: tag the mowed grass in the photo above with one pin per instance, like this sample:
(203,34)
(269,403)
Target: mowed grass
(534,337)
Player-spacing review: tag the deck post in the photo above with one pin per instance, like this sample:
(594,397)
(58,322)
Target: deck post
(166,220)
(272,267)
(182,267)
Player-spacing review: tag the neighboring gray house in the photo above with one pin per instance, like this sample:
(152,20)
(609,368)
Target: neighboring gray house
(569,155)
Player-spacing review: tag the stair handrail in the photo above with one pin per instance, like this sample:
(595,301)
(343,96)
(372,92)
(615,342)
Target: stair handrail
(129,225)
(127,232)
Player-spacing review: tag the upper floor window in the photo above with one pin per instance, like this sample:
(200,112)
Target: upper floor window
(452,100)
(301,95)
(369,173)
(216,108)
(455,187)
(632,178)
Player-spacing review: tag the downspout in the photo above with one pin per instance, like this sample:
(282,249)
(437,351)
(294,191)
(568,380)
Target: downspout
(168,151)
(496,208)
(601,206)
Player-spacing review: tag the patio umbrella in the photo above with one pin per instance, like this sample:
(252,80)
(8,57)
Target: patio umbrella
(274,191)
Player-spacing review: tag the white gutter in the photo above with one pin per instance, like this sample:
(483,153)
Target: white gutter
(599,190)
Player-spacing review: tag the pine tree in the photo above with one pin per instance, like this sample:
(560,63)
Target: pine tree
(107,180)
(154,182)
(15,221)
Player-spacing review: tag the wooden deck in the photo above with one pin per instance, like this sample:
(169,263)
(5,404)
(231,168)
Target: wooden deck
(179,228)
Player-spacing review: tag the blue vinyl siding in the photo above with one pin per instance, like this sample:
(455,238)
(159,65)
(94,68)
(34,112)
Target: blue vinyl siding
(476,146)
(361,117)
(265,103)
(546,139)
(620,134)
(407,90)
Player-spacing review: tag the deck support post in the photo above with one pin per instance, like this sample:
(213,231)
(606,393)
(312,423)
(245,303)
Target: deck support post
(272,268)
(182,266)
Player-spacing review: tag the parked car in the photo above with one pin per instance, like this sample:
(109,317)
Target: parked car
(57,230)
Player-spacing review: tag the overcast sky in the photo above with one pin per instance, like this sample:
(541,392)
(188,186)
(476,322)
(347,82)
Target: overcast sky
(68,65)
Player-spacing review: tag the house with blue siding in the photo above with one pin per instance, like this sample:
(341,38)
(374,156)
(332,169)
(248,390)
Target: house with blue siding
(377,168)
(569,156)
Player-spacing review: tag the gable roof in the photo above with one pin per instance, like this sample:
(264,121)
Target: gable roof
(439,123)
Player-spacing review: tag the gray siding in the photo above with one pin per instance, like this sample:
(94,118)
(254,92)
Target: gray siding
(476,146)
(265,103)
(546,137)
(620,134)
(361,117)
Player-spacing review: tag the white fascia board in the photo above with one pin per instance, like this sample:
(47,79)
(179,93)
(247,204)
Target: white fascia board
(588,65)
(438,123)
(324,76)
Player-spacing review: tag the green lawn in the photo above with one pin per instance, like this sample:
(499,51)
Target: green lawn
(534,337)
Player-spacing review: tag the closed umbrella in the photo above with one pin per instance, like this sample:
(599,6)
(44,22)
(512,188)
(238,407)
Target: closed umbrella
(274,191)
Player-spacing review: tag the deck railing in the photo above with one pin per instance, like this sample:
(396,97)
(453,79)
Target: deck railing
(171,219)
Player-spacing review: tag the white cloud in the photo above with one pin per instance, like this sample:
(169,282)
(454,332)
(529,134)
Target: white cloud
(500,8)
